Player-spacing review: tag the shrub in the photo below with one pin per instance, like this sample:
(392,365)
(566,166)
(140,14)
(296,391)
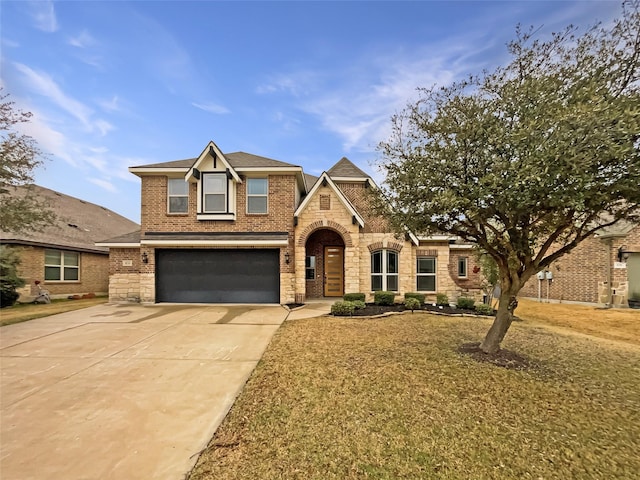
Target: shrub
(417,296)
(384,298)
(484,309)
(442,299)
(342,308)
(412,303)
(359,304)
(352,297)
(9,279)
(465,302)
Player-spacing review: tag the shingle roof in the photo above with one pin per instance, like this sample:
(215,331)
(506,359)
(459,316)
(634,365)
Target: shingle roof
(235,159)
(346,168)
(79,224)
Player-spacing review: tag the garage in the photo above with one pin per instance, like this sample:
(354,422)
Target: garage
(218,276)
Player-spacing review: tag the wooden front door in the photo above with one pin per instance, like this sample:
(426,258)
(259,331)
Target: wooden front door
(333,271)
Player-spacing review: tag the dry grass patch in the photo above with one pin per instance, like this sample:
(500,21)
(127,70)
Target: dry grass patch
(338,398)
(613,323)
(28,311)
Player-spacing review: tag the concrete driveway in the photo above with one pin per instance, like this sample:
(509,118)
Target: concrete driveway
(123,391)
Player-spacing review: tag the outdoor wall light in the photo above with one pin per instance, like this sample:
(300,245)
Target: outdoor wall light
(145,258)
(622,254)
(286,258)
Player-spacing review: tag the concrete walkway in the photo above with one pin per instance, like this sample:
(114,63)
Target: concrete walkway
(125,392)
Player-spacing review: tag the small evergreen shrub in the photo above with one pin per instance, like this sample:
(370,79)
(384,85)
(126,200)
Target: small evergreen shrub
(384,298)
(9,279)
(442,299)
(484,309)
(412,303)
(352,297)
(342,308)
(465,302)
(359,304)
(417,296)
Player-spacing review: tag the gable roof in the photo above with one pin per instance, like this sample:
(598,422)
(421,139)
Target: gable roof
(79,224)
(345,169)
(237,160)
(341,196)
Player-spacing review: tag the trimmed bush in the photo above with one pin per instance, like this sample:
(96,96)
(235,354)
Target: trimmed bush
(359,304)
(384,298)
(465,302)
(352,297)
(342,308)
(412,303)
(417,296)
(484,309)
(442,299)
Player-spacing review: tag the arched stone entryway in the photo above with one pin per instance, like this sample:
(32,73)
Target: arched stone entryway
(324,264)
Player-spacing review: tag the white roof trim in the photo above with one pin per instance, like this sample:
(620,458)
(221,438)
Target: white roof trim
(269,169)
(137,170)
(219,155)
(414,239)
(351,179)
(117,245)
(217,243)
(457,246)
(436,237)
(345,201)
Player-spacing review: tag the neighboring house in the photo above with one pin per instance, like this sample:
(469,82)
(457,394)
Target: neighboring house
(63,256)
(603,269)
(240,228)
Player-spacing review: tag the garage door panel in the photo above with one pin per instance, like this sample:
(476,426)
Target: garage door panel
(217,276)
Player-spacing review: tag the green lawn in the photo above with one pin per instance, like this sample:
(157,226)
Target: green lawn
(340,398)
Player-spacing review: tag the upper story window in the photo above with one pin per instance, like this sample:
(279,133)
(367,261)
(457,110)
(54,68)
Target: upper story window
(384,270)
(257,190)
(462,267)
(178,195)
(426,274)
(214,192)
(60,266)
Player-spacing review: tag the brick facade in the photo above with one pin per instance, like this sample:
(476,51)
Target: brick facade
(94,274)
(591,273)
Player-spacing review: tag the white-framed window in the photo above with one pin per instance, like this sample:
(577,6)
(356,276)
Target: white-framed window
(177,195)
(384,270)
(462,267)
(426,274)
(257,193)
(310,267)
(61,266)
(214,192)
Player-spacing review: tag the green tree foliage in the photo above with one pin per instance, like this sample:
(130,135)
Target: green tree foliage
(9,280)
(19,157)
(528,160)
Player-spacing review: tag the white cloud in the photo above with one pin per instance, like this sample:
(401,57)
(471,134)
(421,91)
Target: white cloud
(211,108)
(105,184)
(44,16)
(82,40)
(112,104)
(44,85)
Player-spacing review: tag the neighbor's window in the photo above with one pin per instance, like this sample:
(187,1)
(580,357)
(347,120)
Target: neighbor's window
(214,192)
(384,270)
(462,267)
(310,267)
(257,190)
(178,195)
(426,274)
(60,266)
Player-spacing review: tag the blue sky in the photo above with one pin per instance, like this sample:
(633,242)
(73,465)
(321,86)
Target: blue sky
(118,84)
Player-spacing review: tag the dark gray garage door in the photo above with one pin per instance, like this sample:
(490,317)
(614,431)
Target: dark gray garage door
(218,276)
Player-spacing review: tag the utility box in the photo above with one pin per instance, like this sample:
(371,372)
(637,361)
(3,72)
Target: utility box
(540,275)
(548,275)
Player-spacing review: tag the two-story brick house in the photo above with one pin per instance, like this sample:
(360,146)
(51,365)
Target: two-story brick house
(240,228)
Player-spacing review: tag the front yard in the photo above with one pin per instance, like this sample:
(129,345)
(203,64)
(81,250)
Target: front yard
(393,398)
(21,312)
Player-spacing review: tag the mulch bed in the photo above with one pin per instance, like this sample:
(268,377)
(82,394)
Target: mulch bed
(502,358)
(372,310)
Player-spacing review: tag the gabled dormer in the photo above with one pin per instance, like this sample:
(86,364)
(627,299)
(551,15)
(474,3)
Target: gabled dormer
(216,182)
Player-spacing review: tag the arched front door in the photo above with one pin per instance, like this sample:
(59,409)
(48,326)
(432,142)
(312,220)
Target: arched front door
(324,262)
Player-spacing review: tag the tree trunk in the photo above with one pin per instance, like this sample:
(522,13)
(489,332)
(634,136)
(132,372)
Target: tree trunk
(502,322)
